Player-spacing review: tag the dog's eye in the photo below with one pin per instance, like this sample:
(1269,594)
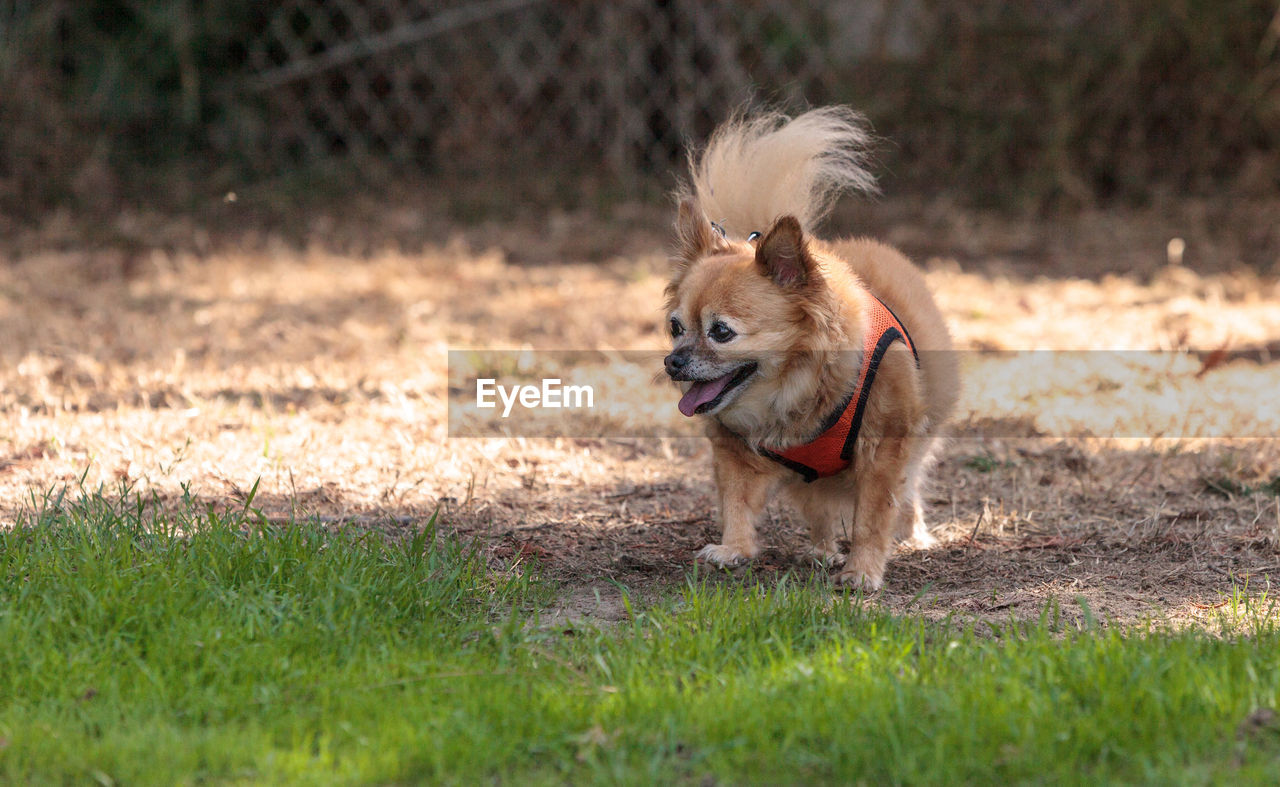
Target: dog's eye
(720,332)
(676,328)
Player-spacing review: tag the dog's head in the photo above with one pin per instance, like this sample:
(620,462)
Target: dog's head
(743,318)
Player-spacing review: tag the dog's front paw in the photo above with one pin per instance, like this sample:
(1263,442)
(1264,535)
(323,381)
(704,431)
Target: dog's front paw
(858,580)
(723,556)
(824,557)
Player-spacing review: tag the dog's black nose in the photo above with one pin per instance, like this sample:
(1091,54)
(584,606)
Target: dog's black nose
(676,361)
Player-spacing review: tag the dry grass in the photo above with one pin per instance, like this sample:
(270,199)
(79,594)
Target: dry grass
(325,377)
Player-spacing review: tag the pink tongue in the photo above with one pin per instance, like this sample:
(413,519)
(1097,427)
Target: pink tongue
(701,393)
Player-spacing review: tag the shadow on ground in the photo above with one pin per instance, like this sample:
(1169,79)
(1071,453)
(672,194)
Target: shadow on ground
(1028,522)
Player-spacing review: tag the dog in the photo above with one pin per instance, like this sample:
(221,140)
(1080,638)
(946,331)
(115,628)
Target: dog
(823,369)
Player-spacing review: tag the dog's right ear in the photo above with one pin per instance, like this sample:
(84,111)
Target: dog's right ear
(695,237)
(783,255)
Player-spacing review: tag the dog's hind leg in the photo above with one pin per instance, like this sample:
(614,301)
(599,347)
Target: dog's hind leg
(912,527)
(828,518)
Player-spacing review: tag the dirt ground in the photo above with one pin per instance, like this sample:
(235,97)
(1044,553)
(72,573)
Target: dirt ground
(1146,484)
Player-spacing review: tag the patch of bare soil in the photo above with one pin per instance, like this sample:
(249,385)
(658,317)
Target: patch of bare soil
(1144,484)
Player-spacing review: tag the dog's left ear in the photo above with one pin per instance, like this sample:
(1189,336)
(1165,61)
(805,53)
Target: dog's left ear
(695,236)
(783,255)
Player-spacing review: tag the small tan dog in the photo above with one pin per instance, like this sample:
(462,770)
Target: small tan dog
(824,368)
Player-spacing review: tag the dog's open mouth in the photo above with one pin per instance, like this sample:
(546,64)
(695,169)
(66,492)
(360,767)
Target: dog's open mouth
(706,395)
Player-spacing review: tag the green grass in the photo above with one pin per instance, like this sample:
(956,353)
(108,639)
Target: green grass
(1227,486)
(142,647)
(986,463)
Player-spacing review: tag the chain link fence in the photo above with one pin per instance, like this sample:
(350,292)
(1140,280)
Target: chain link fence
(626,82)
(1046,98)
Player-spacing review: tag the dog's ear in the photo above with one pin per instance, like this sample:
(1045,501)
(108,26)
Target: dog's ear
(783,255)
(695,236)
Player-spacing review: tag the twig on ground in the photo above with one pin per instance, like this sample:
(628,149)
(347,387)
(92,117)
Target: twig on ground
(982,515)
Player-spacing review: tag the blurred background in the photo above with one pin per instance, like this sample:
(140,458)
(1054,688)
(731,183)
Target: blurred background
(482,109)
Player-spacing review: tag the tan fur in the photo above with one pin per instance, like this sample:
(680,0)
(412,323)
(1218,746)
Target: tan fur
(799,310)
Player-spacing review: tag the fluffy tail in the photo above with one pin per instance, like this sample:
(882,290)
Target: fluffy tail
(757,168)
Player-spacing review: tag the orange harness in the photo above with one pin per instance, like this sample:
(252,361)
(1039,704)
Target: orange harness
(832,450)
